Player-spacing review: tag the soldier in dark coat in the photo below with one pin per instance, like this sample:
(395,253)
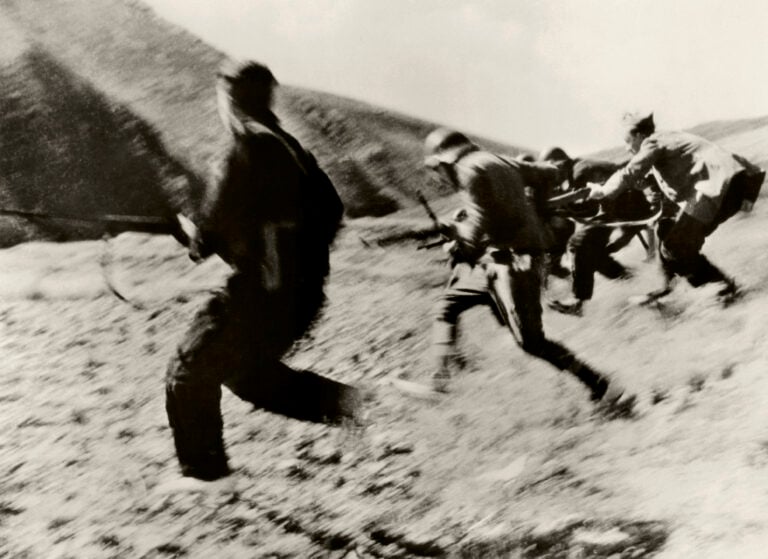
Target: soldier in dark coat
(271,216)
(499,242)
(591,245)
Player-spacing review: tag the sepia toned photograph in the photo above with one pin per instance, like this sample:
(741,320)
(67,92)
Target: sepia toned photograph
(368,279)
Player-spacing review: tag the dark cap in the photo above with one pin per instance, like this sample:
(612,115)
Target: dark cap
(246,72)
(554,155)
(638,122)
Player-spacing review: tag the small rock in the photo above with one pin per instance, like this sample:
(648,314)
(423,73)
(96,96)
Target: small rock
(557,525)
(324,453)
(294,469)
(425,545)
(596,538)
(379,485)
(393,448)
(508,473)
(696,382)
(658,395)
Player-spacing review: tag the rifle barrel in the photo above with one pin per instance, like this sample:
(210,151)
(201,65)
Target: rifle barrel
(140,223)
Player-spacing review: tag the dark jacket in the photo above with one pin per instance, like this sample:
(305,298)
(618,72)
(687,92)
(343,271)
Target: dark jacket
(629,205)
(273,213)
(498,212)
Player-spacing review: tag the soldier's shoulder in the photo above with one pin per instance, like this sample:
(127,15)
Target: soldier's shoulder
(480,158)
(257,132)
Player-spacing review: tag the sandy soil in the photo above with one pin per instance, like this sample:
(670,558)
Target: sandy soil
(512,464)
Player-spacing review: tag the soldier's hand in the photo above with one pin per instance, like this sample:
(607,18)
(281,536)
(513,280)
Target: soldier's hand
(595,191)
(185,229)
(653,196)
(450,247)
(445,228)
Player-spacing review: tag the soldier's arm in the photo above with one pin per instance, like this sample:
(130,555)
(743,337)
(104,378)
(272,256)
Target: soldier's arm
(632,174)
(213,207)
(470,231)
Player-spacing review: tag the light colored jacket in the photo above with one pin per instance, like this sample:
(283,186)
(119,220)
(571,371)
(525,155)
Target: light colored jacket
(691,171)
(498,213)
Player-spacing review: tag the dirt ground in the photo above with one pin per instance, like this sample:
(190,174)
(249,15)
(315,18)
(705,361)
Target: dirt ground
(513,463)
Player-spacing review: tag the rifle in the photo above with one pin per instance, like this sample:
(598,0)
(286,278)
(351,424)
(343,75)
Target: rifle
(568,198)
(138,223)
(423,201)
(439,228)
(180,227)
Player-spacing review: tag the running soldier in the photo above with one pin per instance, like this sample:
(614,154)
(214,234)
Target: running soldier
(708,184)
(271,216)
(595,239)
(498,248)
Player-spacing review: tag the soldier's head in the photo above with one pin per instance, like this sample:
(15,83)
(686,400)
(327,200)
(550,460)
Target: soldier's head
(637,127)
(443,148)
(244,89)
(557,157)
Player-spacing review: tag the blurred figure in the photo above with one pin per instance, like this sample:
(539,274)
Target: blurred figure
(708,184)
(498,246)
(558,228)
(272,216)
(593,243)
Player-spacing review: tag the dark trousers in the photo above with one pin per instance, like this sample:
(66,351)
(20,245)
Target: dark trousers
(560,230)
(589,248)
(683,237)
(680,251)
(237,340)
(514,295)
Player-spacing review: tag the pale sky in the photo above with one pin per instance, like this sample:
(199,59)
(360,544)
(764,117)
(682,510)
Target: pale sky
(527,72)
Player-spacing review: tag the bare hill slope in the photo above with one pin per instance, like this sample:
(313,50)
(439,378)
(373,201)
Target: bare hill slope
(747,137)
(108,109)
(511,464)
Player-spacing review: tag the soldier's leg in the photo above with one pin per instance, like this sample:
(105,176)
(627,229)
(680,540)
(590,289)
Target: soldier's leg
(468,288)
(681,253)
(587,246)
(302,395)
(526,297)
(193,393)
(605,264)
(562,230)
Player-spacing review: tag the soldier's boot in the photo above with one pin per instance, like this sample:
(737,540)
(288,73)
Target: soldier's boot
(729,293)
(572,306)
(225,487)
(441,381)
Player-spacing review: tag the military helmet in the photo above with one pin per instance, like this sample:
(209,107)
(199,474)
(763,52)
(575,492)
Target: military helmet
(554,155)
(446,146)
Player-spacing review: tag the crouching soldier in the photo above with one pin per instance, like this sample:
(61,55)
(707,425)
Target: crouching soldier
(501,242)
(272,217)
(708,184)
(596,238)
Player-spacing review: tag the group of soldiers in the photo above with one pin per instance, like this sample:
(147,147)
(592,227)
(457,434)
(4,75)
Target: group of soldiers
(273,214)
